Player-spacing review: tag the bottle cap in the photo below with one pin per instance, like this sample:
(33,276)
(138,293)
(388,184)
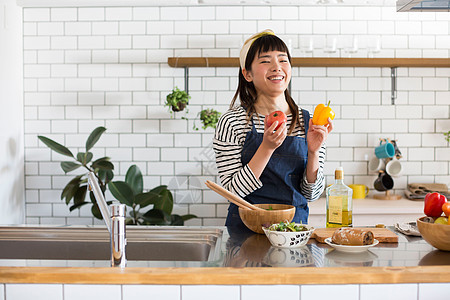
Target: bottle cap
(339,173)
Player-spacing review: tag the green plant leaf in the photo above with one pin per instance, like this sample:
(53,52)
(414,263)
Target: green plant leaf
(69,166)
(103,164)
(105,175)
(122,192)
(134,179)
(145,199)
(74,182)
(209,118)
(92,197)
(165,202)
(55,146)
(94,137)
(158,189)
(177,97)
(447,136)
(135,218)
(77,205)
(188,217)
(156,217)
(80,157)
(84,157)
(89,157)
(106,158)
(80,195)
(71,191)
(96,211)
(176,220)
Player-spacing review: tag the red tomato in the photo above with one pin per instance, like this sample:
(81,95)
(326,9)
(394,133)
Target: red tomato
(277,115)
(446,209)
(433,204)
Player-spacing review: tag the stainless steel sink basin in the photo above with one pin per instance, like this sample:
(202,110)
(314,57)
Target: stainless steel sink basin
(92,243)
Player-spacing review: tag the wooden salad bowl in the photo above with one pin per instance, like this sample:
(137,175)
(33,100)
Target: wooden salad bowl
(437,235)
(272,213)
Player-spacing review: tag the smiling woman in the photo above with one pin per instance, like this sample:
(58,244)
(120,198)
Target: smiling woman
(254,160)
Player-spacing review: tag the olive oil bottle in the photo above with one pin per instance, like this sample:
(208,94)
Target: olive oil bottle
(339,202)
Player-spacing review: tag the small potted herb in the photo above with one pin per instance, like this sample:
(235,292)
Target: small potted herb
(177,100)
(447,136)
(209,118)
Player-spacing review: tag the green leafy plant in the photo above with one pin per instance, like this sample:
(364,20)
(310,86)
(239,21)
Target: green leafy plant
(447,136)
(177,100)
(129,192)
(209,118)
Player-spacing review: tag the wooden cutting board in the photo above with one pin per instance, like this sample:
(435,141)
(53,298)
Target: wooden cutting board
(383,235)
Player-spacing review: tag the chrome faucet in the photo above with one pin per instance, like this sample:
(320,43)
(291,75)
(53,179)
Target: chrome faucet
(115,222)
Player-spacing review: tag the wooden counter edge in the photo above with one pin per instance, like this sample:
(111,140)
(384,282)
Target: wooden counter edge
(226,275)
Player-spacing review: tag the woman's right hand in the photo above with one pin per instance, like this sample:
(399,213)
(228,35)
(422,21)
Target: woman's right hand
(273,139)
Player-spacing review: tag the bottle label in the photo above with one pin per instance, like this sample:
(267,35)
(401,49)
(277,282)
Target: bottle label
(335,209)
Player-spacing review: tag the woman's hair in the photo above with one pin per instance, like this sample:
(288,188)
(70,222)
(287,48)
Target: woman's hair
(246,90)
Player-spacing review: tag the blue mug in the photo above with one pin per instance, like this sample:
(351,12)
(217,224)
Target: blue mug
(385,150)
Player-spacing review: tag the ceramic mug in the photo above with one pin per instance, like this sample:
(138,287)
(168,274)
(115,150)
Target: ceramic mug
(385,150)
(376,164)
(384,182)
(394,167)
(360,191)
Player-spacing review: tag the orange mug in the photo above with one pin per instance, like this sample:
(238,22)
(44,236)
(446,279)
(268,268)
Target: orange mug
(360,191)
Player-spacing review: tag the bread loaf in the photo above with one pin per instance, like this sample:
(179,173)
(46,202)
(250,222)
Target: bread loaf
(352,237)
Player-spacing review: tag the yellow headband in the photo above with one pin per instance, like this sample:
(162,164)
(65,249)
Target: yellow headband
(248,43)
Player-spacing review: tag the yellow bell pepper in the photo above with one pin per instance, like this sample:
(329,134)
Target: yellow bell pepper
(322,113)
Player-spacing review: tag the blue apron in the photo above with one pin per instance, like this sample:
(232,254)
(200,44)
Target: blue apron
(281,177)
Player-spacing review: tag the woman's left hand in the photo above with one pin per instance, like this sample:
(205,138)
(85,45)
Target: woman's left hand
(317,135)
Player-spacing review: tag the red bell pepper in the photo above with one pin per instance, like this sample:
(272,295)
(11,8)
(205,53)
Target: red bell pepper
(433,204)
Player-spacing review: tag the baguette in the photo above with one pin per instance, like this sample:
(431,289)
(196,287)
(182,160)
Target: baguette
(352,237)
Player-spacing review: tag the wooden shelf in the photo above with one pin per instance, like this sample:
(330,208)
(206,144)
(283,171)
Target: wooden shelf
(227,62)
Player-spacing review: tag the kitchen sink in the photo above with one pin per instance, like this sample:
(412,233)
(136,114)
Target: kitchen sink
(93,243)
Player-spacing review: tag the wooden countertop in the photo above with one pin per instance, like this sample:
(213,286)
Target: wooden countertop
(240,275)
(215,276)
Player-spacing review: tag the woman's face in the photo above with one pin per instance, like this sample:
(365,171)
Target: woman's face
(270,73)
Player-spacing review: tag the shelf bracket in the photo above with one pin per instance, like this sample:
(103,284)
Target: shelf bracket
(393,84)
(186,80)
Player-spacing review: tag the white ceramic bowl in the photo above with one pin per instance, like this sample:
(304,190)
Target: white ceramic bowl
(289,239)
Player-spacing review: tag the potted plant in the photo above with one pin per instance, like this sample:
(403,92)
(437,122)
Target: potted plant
(447,136)
(129,192)
(177,100)
(209,118)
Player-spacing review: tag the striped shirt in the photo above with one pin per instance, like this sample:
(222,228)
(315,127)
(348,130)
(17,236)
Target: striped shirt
(228,142)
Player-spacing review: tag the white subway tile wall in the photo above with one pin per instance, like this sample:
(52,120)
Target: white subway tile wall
(89,67)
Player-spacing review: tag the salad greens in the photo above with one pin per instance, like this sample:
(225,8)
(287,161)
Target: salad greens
(287,227)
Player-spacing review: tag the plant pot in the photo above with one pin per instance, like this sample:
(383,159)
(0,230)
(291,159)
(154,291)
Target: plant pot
(181,106)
